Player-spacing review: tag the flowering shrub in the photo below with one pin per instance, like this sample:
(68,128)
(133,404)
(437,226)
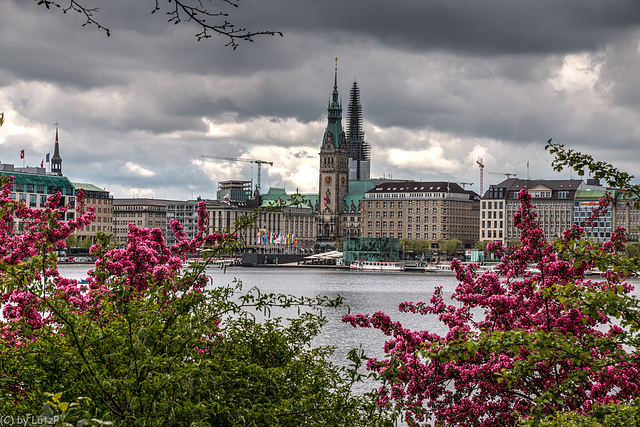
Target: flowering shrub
(522,343)
(149,343)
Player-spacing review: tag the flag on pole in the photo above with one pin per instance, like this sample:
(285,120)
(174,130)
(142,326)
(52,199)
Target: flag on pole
(42,164)
(22,154)
(47,157)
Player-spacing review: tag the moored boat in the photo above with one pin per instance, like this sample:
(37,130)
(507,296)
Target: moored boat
(377,265)
(439,268)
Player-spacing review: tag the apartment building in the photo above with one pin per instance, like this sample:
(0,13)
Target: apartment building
(553,201)
(102,204)
(34,186)
(583,205)
(415,210)
(626,215)
(149,213)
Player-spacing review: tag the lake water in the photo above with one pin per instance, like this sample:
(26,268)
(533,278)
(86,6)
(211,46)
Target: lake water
(363,292)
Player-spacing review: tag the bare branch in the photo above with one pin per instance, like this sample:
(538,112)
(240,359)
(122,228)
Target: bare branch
(192,11)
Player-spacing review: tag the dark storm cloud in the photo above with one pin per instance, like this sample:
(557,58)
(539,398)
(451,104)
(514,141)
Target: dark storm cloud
(442,80)
(488,27)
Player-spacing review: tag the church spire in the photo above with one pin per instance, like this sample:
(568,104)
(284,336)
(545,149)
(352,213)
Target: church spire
(334,133)
(359,150)
(56,160)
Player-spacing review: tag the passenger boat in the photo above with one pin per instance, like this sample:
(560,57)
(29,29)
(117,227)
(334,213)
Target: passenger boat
(377,265)
(439,268)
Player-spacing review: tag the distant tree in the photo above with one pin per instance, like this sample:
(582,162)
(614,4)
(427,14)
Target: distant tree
(406,244)
(514,243)
(481,245)
(632,249)
(197,12)
(451,247)
(339,244)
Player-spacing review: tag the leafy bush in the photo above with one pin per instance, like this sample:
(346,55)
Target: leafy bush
(151,344)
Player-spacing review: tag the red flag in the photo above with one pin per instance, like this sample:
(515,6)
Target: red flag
(42,164)
(22,154)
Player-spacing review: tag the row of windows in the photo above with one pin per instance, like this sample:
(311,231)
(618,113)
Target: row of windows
(31,188)
(418,236)
(392,205)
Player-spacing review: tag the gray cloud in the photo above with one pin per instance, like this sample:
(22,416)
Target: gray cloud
(442,82)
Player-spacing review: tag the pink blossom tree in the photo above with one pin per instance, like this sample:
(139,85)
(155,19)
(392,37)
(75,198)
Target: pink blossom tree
(522,343)
(147,343)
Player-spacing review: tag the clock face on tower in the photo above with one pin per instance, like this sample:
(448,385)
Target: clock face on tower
(327,180)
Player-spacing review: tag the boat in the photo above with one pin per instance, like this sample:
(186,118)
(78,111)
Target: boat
(439,269)
(377,265)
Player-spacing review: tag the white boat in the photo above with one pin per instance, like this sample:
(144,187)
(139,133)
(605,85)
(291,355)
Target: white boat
(439,268)
(377,265)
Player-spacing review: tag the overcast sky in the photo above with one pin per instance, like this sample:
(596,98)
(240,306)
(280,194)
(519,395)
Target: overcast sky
(442,83)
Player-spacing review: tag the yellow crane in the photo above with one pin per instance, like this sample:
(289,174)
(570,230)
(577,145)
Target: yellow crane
(507,174)
(242,159)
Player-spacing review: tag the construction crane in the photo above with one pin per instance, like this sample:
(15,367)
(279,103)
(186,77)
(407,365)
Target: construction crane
(464,184)
(507,174)
(479,162)
(243,159)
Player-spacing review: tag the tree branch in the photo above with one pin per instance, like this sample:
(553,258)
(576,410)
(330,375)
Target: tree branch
(193,11)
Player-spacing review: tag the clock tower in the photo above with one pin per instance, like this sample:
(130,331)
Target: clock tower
(334,170)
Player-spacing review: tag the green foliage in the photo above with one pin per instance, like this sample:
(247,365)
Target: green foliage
(514,244)
(149,345)
(202,359)
(599,416)
(451,247)
(1,119)
(632,249)
(415,245)
(579,162)
(58,413)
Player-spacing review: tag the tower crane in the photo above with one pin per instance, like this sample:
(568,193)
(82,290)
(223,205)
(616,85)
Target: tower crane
(464,184)
(479,162)
(242,159)
(507,174)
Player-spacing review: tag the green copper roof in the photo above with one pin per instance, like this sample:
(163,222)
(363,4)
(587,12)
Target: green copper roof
(87,187)
(360,186)
(588,195)
(280,194)
(334,116)
(39,179)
